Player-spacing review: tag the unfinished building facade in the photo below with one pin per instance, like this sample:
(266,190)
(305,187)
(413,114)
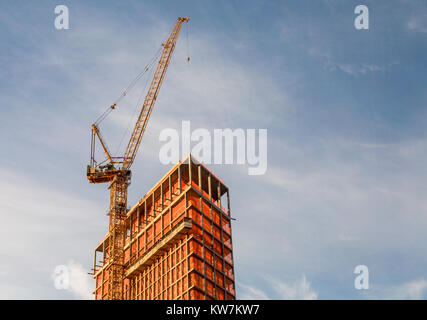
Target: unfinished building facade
(178,242)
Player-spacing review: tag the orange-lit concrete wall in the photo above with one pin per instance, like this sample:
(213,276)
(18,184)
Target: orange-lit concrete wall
(178,243)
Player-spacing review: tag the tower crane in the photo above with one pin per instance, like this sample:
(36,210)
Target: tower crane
(116,170)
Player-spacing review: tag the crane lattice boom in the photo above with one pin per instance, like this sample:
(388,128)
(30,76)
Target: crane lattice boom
(152,94)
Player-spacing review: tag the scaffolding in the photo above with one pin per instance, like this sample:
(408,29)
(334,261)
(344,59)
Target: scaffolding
(178,242)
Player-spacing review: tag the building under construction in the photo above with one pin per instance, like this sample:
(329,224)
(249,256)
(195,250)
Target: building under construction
(178,240)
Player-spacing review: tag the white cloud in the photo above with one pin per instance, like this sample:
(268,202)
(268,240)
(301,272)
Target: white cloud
(355,69)
(247,292)
(48,227)
(332,63)
(411,290)
(81,284)
(298,290)
(417,23)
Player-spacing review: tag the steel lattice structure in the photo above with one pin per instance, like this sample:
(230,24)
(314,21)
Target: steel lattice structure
(116,170)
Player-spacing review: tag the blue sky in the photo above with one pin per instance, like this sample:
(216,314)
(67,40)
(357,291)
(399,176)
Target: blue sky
(347,141)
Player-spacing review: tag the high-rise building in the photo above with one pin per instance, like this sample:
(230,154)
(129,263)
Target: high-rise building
(178,242)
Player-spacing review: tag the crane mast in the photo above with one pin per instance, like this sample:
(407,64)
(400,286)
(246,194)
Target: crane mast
(116,170)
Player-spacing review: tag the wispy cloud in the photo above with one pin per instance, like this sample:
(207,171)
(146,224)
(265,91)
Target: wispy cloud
(417,21)
(355,69)
(298,290)
(417,25)
(247,292)
(410,290)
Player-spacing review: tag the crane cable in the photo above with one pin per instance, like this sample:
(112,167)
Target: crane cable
(188,46)
(143,90)
(128,88)
(133,115)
